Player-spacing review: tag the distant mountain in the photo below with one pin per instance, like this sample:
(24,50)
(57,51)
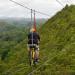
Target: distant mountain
(23,21)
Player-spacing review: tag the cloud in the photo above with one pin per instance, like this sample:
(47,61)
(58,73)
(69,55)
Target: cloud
(50,7)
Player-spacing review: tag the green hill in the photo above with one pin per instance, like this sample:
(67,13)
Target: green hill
(22,22)
(58,42)
(10,35)
(57,49)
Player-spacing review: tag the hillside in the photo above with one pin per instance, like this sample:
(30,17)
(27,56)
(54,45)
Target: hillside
(23,22)
(58,42)
(10,35)
(57,49)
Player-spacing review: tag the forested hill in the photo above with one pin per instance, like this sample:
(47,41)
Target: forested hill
(58,43)
(57,49)
(23,22)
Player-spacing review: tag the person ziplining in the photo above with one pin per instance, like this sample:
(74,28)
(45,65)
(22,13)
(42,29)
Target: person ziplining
(33,42)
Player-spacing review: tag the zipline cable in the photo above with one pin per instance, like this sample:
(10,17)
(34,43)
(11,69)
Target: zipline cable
(60,3)
(29,8)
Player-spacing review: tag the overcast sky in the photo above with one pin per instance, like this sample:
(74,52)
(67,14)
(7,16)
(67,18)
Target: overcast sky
(10,9)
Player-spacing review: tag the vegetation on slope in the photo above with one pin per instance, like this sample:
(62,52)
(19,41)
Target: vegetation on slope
(57,48)
(58,38)
(10,35)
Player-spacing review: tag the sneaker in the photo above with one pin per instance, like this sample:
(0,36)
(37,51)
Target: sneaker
(36,62)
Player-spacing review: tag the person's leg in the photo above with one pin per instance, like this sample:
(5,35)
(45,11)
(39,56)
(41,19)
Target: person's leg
(37,53)
(29,53)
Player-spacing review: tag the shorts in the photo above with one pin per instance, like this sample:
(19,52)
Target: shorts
(35,46)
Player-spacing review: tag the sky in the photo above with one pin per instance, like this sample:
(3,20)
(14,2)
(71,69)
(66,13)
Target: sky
(50,7)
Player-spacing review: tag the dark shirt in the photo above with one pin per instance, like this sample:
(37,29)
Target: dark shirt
(33,38)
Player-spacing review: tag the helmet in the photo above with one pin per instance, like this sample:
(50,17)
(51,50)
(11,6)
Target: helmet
(32,30)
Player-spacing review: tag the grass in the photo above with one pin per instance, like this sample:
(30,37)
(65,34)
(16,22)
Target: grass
(57,48)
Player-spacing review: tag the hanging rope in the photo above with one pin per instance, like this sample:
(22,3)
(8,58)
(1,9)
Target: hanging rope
(34,21)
